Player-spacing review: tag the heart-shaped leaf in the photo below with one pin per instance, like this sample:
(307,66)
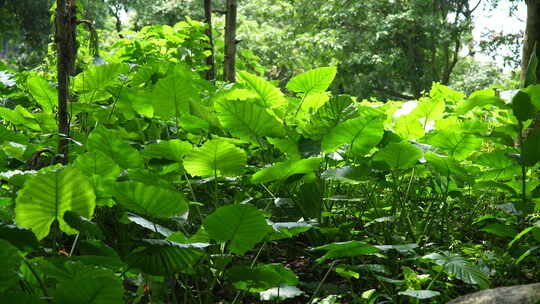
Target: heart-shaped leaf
(46,197)
(242,225)
(216,158)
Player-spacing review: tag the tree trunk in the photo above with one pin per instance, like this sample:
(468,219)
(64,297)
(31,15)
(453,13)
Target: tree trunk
(66,23)
(532,36)
(229,72)
(211,73)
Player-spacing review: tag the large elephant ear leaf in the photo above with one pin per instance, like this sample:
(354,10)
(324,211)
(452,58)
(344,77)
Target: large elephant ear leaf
(172,94)
(10,261)
(150,200)
(269,94)
(286,169)
(455,143)
(361,134)
(242,225)
(110,143)
(461,268)
(400,155)
(44,93)
(216,158)
(162,257)
(99,77)
(336,110)
(93,285)
(46,197)
(314,81)
(247,120)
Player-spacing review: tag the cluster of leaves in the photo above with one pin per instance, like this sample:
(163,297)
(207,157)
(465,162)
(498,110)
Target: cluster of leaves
(183,190)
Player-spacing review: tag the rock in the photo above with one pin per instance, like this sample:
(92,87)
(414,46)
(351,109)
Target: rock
(518,294)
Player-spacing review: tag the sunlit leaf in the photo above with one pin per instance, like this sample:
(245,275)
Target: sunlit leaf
(150,200)
(361,134)
(400,155)
(110,142)
(215,158)
(345,249)
(247,120)
(44,93)
(242,225)
(420,294)
(286,169)
(269,94)
(173,149)
(46,197)
(313,81)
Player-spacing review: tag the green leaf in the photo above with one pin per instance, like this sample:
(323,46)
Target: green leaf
(498,165)
(261,277)
(309,105)
(173,149)
(93,286)
(216,158)
(462,269)
(150,200)
(46,197)
(43,93)
(22,238)
(348,174)
(420,294)
(21,297)
(247,120)
(152,226)
(499,229)
(98,78)
(310,199)
(456,144)
(286,169)
(97,163)
(172,94)
(337,110)
(399,155)
(447,166)
(110,142)
(82,224)
(520,235)
(522,106)
(345,249)
(10,261)
(162,257)
(409,127)
(314,81)
(531,148)
(242,225)
(480,99)
(429,109)
(270,95)
(135,100)
(20,117)
(361,134)
(285,230)
(287,146)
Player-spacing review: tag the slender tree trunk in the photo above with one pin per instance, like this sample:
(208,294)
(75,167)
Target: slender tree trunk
(229,72)
(66,23)
(532,35)
(211,73)
(532,38)
(118,22)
